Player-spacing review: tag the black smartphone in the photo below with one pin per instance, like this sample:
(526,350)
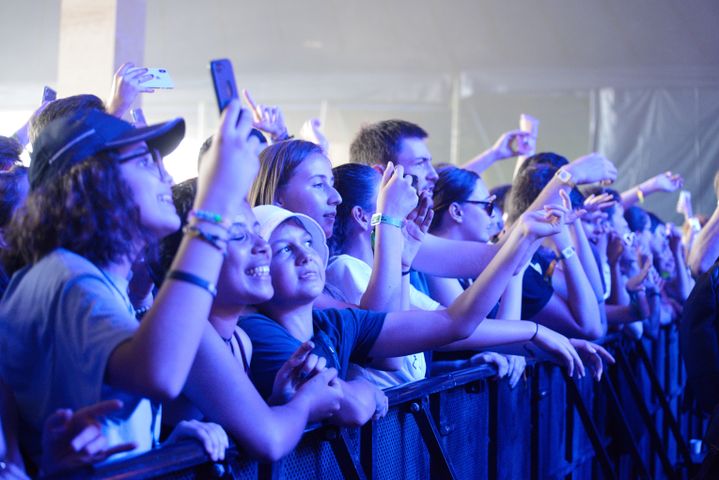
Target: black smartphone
(223,79)
(48,95)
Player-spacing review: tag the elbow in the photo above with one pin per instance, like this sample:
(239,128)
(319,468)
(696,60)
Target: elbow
(162,388)
(268,445)
(592,332)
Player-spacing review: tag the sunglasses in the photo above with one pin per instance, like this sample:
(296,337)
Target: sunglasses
(487,205)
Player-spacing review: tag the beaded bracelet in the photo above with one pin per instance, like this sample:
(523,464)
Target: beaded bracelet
(215,240)
(210,217)
(194,280)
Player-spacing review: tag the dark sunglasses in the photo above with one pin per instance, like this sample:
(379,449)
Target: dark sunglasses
(488,205)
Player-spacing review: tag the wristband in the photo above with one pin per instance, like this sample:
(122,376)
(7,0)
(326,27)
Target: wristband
(378,218)
(215,240)
(210,217)
(194,280)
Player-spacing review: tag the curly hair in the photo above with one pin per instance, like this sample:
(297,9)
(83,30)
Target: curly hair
(277,165)
(88,210)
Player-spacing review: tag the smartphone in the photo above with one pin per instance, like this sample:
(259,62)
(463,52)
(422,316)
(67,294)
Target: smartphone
(160,79)
(138,117)
(223,79)
(48,94)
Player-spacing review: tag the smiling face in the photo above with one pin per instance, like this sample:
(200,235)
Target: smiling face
(298,274)
(145,175)
(311,191)
(414,156)
(245,274)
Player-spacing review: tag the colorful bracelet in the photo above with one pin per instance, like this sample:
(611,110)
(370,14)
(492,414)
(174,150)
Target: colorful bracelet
(194,280)
(216,241)
(640,195)
(378,218)
(210,217)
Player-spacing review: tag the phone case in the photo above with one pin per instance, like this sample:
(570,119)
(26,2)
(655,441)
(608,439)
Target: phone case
(161,79)
(223,79)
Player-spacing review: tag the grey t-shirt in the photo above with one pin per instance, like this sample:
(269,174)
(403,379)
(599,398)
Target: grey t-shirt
(60,320)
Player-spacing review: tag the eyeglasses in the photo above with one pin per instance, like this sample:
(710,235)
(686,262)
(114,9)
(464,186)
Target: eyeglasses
(488,205)
(156,160)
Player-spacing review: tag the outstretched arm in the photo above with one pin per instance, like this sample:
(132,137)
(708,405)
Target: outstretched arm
(664,182)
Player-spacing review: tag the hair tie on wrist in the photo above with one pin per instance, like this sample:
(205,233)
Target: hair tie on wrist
(215,240)
(536,331)
(194,280)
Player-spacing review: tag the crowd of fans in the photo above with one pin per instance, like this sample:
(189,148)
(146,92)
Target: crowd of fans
(274,290)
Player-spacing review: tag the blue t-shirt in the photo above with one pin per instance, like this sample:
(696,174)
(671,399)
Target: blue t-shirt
(536,288)
(341,336)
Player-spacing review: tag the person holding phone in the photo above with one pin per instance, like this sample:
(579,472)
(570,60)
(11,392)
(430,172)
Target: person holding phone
(99,194)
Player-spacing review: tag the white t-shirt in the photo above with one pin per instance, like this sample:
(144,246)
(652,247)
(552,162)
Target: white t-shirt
(60,320)
(351,275)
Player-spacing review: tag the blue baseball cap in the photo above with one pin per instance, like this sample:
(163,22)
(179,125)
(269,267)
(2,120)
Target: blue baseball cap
(67,141)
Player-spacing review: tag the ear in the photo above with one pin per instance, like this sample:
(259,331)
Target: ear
(455,212)
(380,168)
(361,217)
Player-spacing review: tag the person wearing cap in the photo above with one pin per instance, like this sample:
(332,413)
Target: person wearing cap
(99,194)
(299,255)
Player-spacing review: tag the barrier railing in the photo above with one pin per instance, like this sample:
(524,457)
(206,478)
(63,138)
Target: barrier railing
(464,424)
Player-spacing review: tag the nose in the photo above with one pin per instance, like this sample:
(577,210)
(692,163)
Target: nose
(305,255)
(260,246)
(432,173)
(164,174)
(334,197)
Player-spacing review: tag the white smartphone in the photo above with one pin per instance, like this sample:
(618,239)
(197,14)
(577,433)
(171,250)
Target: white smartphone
(160,79)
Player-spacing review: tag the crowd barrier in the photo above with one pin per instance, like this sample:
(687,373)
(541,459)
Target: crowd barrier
(634,423)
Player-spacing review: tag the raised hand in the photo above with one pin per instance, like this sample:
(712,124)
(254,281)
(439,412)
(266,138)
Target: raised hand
(571,215)
(513,143)
(397,197)
(593,355)
(71,440)
(664,182)
(595,203)
(230,165)
(542,223)
(212,437)
(592,168)
(416,227)
(311,131)
(126,86)
(637,282)
(269,119)
(615,247)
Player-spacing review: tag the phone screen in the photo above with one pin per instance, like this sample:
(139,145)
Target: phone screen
(223,79)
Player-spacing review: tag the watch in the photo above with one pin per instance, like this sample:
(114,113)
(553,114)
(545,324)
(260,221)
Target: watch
(565,177)
(566,253)
(378,218)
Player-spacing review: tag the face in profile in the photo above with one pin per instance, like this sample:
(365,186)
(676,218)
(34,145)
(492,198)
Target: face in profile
(298,273)
(476,220)
(311,191)
(245,274)
(150,184)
